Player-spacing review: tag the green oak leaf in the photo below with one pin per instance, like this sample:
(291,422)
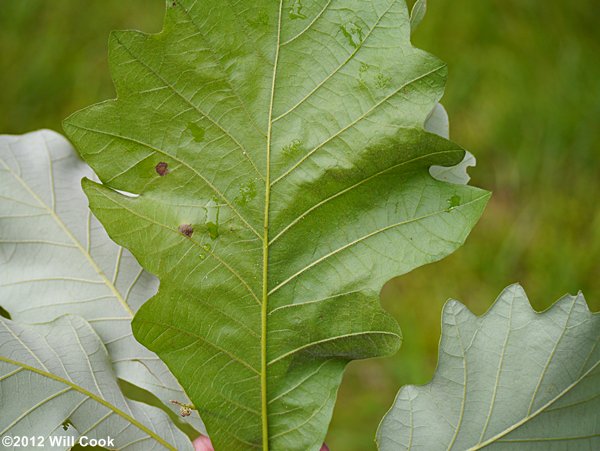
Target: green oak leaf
(510,379)
(279,166)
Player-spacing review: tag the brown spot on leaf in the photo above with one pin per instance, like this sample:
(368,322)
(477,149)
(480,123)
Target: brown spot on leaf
(186,229)
(162,168)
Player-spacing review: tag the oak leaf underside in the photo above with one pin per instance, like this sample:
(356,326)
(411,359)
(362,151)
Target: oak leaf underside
(290,147)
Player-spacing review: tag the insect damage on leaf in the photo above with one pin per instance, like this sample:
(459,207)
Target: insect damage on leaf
(72,267)
(353,33)
(162,168)
(312,188)
(453,202)
(186,229)
(295,10)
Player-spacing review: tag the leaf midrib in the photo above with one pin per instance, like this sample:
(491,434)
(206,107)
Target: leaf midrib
(339,67)
(265,245)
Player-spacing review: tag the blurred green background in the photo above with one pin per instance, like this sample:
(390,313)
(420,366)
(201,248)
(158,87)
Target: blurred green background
(523,95)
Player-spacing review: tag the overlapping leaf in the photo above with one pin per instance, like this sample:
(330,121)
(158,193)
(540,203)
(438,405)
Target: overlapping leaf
(281,163)
(417,14)
(438,123)
(56,380)
(55,258)
(511,379)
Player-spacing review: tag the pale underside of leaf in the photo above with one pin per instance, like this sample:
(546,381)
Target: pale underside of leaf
(438,123)
(511,379)
(298,170)
(56,258)
(60,374)
(417,14)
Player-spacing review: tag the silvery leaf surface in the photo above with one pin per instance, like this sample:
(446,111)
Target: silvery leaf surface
(512,379)
(438,123)
(56,379)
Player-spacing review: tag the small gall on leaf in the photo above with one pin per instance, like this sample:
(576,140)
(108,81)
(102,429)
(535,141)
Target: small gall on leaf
(186,229)
(162,168)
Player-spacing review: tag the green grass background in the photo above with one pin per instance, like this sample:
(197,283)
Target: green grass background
(523,95)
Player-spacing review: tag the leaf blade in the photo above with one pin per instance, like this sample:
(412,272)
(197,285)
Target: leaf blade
(67,353)
(64,260)
(534,386)
(263,143)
